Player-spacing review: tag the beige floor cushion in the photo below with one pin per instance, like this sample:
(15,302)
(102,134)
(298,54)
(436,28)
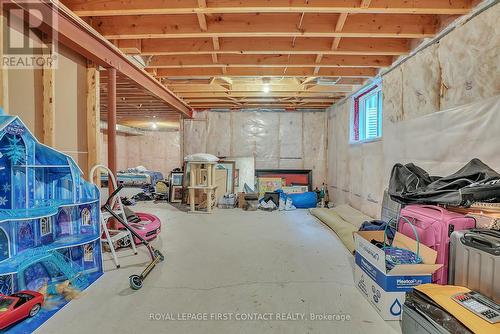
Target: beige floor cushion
(343,220)
(343,229)
(351,215)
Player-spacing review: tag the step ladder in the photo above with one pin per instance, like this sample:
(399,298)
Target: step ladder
(113,236)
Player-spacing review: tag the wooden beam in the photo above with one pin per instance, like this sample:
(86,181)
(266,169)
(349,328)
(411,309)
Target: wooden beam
(266,25)
(267,71)
(162,7)
(75,34)
(93,120)
(49,108)
(238,46)
(190,61)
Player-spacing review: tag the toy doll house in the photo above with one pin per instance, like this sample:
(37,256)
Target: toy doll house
(49,217)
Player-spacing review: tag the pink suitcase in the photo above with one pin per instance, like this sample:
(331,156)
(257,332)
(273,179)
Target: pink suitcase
(434,226)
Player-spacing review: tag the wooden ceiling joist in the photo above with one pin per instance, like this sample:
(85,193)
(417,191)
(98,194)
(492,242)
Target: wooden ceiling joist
(360,72)
(237,54)
(269,61)
(195,95)
(275,45)
(216,89)
(132,100)
(162,7)
(266,25)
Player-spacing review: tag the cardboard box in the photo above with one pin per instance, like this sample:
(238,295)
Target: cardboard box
(384,289)
(269,184)
(241,200)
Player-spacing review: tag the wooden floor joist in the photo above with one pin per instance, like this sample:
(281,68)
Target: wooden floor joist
(194,61)
(286,53)
(267,71)
(157,7)
(265,25)
(275,45)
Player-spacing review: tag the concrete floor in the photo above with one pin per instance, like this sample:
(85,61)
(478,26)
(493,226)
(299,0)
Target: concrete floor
(231,262)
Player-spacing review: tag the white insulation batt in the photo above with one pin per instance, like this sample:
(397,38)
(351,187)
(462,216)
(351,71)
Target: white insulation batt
(460,75)
(286,140)
(441,143)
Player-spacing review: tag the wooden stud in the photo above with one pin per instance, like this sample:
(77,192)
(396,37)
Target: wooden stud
(111,113)
(4,79)
(93,119)
(48,110)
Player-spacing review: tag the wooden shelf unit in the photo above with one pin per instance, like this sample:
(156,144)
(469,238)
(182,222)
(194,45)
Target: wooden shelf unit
(202,178)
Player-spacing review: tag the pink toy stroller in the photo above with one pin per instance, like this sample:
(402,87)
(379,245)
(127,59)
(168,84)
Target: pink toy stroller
(148,226)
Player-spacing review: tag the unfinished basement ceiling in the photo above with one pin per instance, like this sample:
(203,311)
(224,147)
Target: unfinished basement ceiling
(135,106)
(287,54)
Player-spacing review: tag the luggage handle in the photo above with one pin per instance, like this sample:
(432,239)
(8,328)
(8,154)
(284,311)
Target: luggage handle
(472,238)
(414,231)
(435,208)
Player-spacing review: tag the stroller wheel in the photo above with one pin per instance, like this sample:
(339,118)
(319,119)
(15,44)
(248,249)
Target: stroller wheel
(124,242)
(157,253)
(135,282)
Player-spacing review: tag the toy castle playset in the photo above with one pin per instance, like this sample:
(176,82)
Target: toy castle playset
(49,229)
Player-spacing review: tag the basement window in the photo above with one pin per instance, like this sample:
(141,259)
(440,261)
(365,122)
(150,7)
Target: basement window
(366,115)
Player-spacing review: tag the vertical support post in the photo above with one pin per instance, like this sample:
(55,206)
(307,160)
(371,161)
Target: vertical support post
(4,81)
(112,123)
(49,106)
(93,120)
